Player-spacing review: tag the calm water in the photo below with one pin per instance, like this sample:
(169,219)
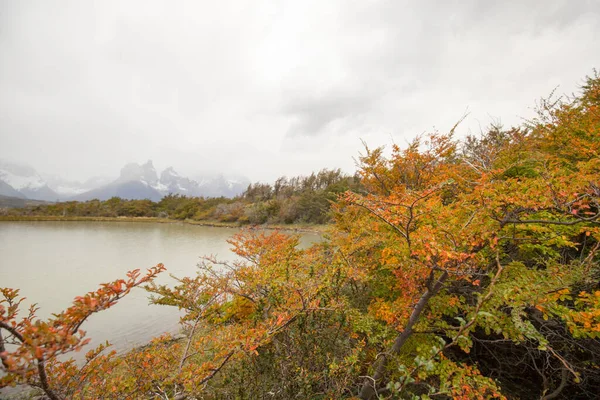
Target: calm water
(52,262)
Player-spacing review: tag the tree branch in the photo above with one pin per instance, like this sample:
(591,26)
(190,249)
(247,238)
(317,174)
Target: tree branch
(216,370)
(368,389)
(559,389)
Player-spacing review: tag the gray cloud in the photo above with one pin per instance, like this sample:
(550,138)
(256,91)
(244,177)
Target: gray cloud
(267,88)
(312,114)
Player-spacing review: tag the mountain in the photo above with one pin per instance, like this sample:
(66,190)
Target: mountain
(19,202)
(174,183)
(67,189)
(24,180)
(9,191)
(219,185)
(141,181)
(145,173)
(215,185)
(135,181)
(11,201)
(126,190)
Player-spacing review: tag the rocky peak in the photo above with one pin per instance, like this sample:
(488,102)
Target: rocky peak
(169,175)
(136,172)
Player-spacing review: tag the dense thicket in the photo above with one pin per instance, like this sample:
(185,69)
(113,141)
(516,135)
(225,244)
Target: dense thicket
(465,269)
(302,199)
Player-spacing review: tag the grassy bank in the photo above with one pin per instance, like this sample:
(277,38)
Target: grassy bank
(313,228)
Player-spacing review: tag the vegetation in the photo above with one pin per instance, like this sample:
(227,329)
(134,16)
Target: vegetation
(464,269)
(289,201)
(15,202)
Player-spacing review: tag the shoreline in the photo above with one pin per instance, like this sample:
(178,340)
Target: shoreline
(318,229)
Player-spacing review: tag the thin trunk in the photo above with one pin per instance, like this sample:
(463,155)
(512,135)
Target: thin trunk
(189,342)
(3,352)
(368,390)
(44,381)
(40,361)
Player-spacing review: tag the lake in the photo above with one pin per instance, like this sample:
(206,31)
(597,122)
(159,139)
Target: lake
(53,262)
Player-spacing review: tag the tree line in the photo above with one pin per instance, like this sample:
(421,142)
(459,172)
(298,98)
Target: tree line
(301,199)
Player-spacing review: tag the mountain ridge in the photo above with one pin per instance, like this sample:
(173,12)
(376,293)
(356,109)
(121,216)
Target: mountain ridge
(135,182)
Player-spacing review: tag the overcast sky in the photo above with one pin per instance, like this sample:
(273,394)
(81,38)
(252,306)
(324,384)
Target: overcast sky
(270,88)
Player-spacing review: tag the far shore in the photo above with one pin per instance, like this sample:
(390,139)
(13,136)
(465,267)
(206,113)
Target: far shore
(309,228)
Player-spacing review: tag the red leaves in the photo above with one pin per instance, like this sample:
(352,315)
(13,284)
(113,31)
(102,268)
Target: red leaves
(39,353)
(280,319)
(44,340)
(133,275)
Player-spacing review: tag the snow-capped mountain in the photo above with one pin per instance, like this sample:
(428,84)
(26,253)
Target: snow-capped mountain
(215,185)
(7,190)
(67,189)
(141,181)
(24,180)
(135,172)
(172,182)
(136,181)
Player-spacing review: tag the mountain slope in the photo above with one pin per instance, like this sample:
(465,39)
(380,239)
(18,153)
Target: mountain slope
(26,181)
(67,188)
(9,191)
(141,181)
(219,185)
(127,190)
(135,181)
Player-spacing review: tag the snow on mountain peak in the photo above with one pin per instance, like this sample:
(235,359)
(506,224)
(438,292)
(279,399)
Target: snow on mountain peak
(169,171)
(20,176)
(135,180)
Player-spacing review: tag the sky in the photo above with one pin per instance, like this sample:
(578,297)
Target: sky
(272,88)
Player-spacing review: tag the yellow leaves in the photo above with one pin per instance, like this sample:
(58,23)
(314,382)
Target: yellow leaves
(239,308)
(388,256)
(559,295)
(383,311)
(394,313)
(584,320)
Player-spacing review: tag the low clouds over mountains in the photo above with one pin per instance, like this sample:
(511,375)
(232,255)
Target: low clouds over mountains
(136,181)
